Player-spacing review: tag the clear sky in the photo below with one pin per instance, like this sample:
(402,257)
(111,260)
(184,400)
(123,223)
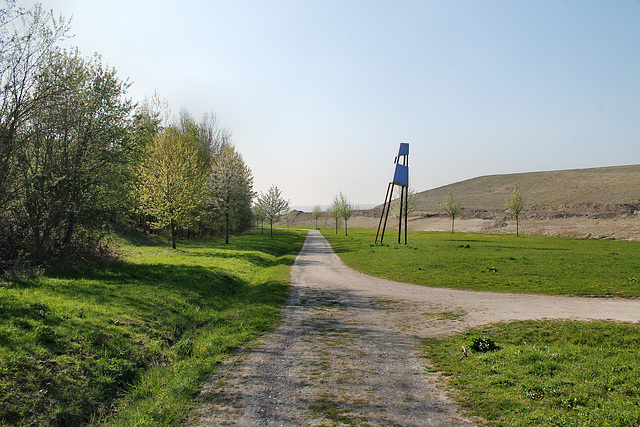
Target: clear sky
(319,94)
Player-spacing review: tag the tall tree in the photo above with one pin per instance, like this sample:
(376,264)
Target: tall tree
(27,39)
(451,205)
(515,205)
(231,189)
(75,154)
(171,182)
(273,205)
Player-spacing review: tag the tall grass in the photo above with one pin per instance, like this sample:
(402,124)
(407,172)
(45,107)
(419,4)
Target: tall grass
(129,342)
(497,262)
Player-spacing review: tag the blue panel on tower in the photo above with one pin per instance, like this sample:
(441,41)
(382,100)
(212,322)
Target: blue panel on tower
(404,149)
(401,175)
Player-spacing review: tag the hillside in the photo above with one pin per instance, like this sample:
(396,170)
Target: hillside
(566,190)
(588,203)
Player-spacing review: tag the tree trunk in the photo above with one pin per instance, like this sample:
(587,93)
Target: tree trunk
(173,234)
(69,233)
(226,240)
(453,220)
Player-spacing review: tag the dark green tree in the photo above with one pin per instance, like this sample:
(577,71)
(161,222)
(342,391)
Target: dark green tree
(74,155)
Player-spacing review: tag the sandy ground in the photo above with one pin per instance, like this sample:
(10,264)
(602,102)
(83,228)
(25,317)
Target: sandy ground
(347,349)
(623,228)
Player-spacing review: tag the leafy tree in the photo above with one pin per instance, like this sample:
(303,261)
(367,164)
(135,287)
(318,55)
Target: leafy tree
(27,39)
(412,204)
(316,213)
(335,211)
(231,189)
(273,205)
(289,217)
(515,205)
(259,215)
(451,205)
(346,210)
(171,182)
(74,155)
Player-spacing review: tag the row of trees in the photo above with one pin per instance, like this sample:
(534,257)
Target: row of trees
(76,153)
(190,177)
(515,204)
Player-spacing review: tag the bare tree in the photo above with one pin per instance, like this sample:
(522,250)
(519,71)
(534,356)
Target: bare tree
(451,205)
(515,205)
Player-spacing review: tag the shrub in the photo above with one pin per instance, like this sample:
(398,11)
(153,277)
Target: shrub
(481,343)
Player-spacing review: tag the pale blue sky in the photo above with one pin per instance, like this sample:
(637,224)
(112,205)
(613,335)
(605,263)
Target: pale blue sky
(319,94)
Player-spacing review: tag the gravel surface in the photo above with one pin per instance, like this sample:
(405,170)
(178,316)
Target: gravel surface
(346,352)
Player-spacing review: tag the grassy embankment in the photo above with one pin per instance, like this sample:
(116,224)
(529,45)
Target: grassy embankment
(542,373)
(129,342)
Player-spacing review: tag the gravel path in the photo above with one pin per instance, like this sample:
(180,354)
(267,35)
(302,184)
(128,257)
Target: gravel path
(346,351)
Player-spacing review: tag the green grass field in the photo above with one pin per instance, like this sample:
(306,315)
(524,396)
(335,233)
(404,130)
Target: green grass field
(541,373)
(496,262)
(129,342)
(545,373)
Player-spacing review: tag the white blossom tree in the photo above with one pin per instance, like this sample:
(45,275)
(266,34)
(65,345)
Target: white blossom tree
(273,205)
(230,188)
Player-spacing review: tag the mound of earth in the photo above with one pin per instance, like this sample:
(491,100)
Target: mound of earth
(584,203)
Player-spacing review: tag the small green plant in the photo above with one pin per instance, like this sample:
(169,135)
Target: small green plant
(481,343)
(545,373)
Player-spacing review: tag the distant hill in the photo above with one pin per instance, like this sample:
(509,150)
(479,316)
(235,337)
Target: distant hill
(576,189)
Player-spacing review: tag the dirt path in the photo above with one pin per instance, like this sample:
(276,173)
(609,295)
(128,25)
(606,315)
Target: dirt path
(346,351)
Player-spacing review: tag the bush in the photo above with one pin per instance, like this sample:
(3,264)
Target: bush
(481,343)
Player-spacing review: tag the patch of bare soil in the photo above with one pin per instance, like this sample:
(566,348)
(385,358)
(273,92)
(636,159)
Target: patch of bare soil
(346,352)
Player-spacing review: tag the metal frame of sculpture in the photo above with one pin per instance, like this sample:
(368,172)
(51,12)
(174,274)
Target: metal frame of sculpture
(401,179)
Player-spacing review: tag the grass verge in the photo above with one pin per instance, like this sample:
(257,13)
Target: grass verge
(496,262)
(545,373)
(129,343)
